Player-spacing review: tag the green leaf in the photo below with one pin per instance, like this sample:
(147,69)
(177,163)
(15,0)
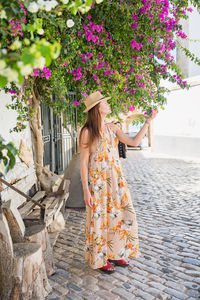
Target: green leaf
(27,58)
(3,81)
(78,2)
(89,3)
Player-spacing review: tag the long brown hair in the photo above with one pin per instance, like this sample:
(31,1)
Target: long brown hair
(93,124)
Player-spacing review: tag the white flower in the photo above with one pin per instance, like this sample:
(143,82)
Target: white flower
(4,51)
(65,1)
(25,69)
(11,75)
(2,64)
(82,10)
(50,4)
(39,62)
(33,7)
(70,23)
(3,14)
(41,4)
(16,45)
(87,8)
(99,1)
(40,31)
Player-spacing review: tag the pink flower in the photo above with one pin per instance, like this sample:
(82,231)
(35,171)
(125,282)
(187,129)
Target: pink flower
(134,25)
(181,34)
(76,103)
(131,107)
(134,44)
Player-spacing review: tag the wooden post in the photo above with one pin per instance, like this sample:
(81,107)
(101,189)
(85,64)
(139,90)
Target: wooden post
(150,134)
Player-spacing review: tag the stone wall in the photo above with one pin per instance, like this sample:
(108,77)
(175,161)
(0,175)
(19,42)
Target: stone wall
(23,174)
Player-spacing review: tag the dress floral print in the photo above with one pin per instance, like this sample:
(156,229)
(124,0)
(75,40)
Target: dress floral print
(111,230)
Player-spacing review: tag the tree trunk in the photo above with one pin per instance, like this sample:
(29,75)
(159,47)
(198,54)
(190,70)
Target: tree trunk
(44,175)
(36,130)
(29,275)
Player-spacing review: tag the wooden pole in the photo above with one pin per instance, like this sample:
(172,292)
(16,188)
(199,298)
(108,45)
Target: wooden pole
(21,193)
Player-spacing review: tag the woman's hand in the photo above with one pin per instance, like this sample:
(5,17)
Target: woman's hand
(88,198)
(153,115)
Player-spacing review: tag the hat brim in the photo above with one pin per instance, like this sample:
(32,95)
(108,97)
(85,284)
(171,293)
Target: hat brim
(91,106)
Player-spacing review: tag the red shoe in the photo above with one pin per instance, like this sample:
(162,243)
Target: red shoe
(109,268)
(120,262)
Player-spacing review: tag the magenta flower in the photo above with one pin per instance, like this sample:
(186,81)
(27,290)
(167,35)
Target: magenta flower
(134,44)
(12,92)
(76,103)
(131,107)
(181,34)
(134,25)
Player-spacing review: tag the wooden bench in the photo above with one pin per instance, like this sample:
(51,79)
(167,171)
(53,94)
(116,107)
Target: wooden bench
(53,203)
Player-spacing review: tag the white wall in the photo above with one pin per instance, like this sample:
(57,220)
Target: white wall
(191,28)
(194,47)
(26,175)
(176,130)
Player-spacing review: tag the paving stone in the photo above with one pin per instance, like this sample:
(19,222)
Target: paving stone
(123,294)
(157,285)
(193,293)
(73,286)
(58,279)
(157,293)
(144,295)
(138,284)
(138,271)
(53,297)
(104,294)
(61,289)
(128,286)
(120,276)
(175,293)
(73,296)
(62,272)
(157,278)
(176,286)
(138,277)
(193,273)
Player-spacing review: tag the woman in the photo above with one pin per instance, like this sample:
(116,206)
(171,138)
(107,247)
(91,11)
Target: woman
(121,146)
(111,231)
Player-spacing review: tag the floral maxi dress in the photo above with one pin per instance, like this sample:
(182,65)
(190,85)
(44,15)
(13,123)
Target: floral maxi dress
(111,230)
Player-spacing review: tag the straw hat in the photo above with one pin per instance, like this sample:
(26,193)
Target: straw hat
(94,99)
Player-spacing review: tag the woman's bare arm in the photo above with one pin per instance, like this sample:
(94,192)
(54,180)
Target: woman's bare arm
(126,139)
(84,154)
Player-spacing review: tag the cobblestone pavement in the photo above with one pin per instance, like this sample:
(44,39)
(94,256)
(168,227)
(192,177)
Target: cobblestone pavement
(166,198)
